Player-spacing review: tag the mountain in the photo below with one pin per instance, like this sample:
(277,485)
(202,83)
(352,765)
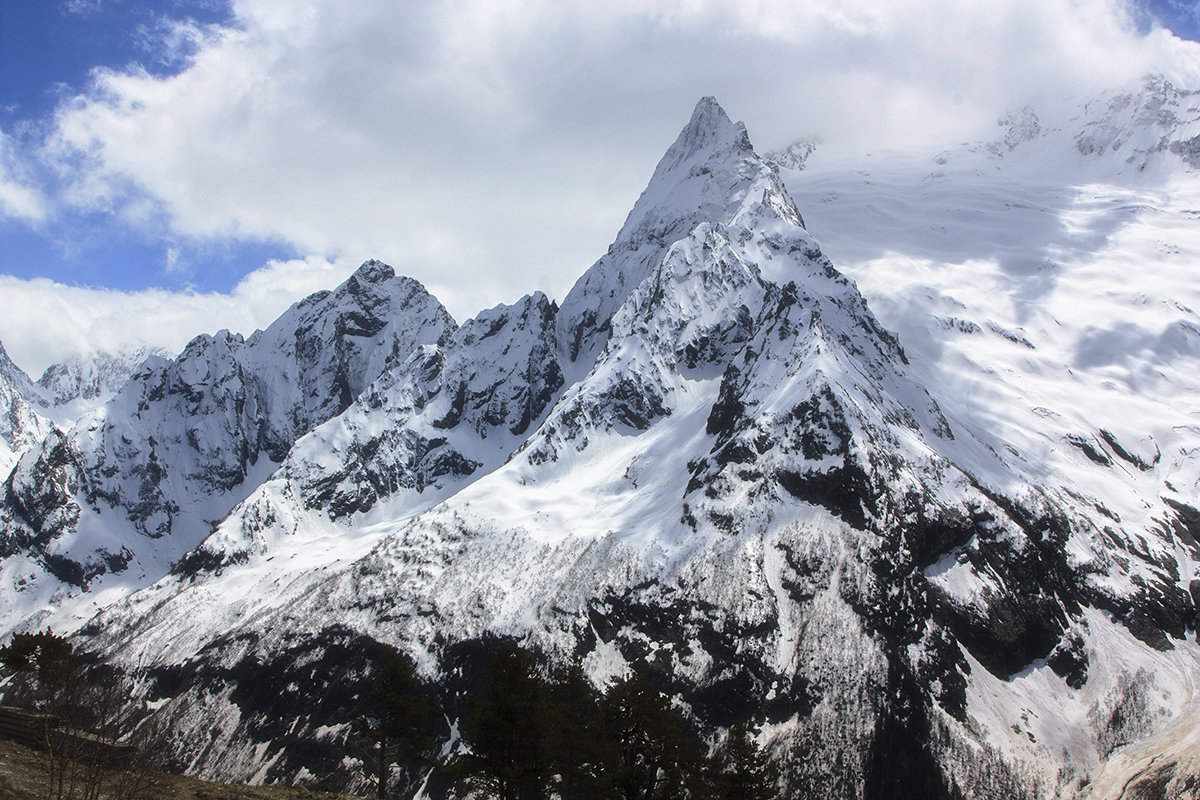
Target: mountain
(712,465)
(131,487)
(23,421)
(65,392)
(1051,311)
(1045,296)
(82,384)
(1151,131)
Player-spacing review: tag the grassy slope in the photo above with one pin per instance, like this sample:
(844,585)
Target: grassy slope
(21,778)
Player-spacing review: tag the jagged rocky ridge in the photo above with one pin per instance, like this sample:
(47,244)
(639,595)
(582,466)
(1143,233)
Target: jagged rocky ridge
(79,385)
(711,465)
(22,422)
(139,482)
(65,392)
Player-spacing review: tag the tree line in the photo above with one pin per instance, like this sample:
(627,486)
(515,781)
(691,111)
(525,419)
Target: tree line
(526,732)
(531,734)
(95,740)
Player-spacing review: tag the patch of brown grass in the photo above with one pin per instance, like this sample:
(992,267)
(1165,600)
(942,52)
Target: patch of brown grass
(22,777)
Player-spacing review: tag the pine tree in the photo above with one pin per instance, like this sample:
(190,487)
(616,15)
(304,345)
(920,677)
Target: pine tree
(581,747)
(404,714)
(657,756)
(507,732)
(46,656)
(746,773)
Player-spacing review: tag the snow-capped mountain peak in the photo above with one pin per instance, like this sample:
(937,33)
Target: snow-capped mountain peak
(23,420)
(1151,131)
(14,376)
(141,480)
(707,175)
(81,384)
(711,176)
(709,132)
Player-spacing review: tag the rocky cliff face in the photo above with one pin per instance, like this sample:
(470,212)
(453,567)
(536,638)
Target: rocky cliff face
(143,479)
(712,465)
(79,385)
(22,420)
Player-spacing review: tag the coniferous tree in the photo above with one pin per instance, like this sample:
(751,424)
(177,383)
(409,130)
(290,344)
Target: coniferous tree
(745,772)
(43,653)
(507,730)
(581,748)
(657,755)
(404,714)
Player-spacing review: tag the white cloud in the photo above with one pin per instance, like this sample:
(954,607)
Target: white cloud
(492,147)
(20,201)
(42,321)
(19,196)
(81,7)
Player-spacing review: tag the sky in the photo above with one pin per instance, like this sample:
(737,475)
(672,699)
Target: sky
(175,167)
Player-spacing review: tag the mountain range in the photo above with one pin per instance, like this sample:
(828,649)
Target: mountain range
(941,544)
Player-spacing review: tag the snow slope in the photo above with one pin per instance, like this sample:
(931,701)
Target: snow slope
(1044,288)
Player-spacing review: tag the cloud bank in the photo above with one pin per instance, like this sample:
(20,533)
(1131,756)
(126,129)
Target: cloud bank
(493,147)
(45,321)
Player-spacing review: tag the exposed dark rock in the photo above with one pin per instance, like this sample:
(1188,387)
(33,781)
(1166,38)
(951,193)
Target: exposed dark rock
(457,405)
(1187,524)
(634,402)
(845,491)
(1124,454)
(67,570)
(203,559)
(727,412)
(1088,449)
(1188,150)
(1069,661)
